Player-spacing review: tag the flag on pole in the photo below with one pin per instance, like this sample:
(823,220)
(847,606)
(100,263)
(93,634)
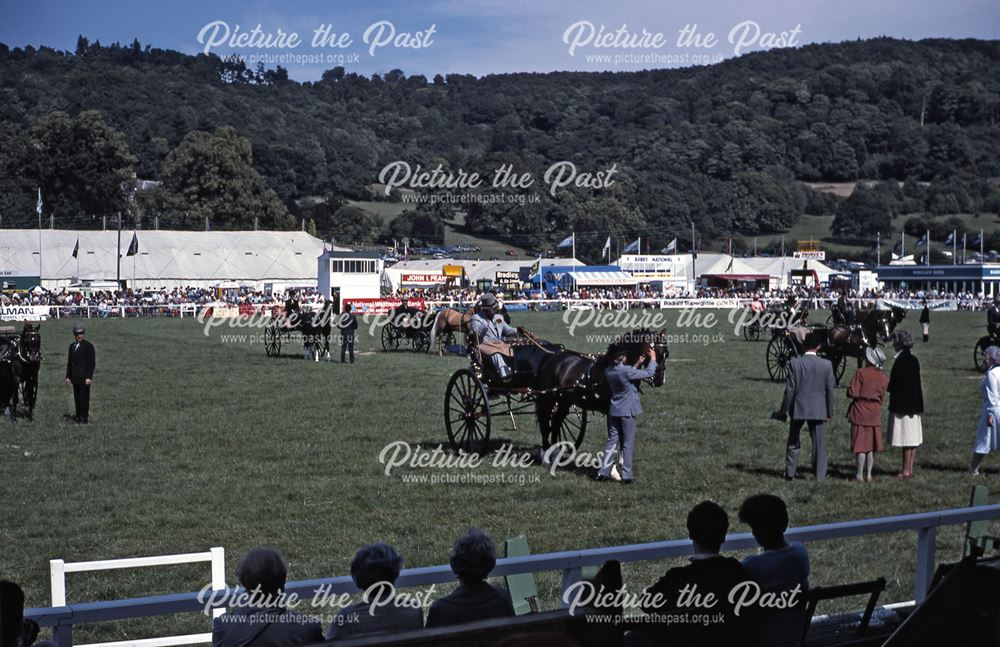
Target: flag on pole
(671,248)
(922,241)
(607,247)
(897,246)
(632,247)
(38,206)
(76,248)
(979,238)
(569,241)
(133,247)
(950,239)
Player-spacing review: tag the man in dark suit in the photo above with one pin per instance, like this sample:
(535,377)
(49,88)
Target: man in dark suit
(348,325)
(671,601)
(625,408)
(80,373)
(809,401)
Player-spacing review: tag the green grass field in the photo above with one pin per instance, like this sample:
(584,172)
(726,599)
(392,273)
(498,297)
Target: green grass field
(198,441)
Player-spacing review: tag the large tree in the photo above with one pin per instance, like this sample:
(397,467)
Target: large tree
(82,165)
(211,175)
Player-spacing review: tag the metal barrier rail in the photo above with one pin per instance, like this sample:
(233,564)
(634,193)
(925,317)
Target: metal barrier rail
(925,524)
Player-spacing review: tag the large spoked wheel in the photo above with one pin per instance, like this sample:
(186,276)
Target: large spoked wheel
(467,413)
(422,342)
(780,353)
(272,340)
(751,332)
(390,341)
(569,424)
(979,353)
(839,361)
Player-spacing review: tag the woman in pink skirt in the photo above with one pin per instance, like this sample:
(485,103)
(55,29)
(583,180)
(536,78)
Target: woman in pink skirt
(867,391)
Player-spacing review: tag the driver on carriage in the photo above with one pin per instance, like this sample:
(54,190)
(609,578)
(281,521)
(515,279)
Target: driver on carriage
(845,309)
(402,316)
(292,309)
(492,334)
(756,306)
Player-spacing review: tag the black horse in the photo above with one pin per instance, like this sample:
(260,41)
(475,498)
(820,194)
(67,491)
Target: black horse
(20,359)
(568,379)
(315,329)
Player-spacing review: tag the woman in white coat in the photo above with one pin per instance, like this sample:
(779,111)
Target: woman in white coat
(987,434)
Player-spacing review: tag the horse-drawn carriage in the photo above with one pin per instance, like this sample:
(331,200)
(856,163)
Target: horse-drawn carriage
(559,385)
(837,343)
(312,327)
(408,327)
(20,359)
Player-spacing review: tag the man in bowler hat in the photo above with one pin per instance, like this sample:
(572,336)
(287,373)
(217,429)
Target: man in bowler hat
(80,373)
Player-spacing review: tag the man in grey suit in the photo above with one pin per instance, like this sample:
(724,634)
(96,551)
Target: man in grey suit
(809,401)
(625,407)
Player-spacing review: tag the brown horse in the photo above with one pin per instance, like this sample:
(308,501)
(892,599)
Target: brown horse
(447,322)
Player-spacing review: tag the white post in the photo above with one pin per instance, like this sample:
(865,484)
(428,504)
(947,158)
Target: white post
(218,574)
(57,575)
(926,540)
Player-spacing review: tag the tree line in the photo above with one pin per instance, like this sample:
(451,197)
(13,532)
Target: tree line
(726,147)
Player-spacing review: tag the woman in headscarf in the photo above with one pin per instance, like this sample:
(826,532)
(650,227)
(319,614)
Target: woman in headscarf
(987,436)
(867,390)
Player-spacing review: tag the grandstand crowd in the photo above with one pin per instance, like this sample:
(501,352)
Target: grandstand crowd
(106,301)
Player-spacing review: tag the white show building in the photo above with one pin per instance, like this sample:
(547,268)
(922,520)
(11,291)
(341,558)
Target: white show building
(344,274)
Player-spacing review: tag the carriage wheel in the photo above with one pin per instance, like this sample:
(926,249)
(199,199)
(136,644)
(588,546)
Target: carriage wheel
(272,340)
(569,425)
(780,352)
(390,341)
(422,342)
(751,332)
(467,413)
(979,352)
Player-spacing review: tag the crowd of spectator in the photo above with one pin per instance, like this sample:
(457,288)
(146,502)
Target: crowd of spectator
(264,616)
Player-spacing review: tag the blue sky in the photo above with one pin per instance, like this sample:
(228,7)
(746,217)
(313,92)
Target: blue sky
(494,36)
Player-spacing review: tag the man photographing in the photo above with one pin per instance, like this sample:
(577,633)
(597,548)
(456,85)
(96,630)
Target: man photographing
(80,373)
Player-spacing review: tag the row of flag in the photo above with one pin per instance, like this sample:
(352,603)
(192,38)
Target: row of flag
(133,247)
(633,247)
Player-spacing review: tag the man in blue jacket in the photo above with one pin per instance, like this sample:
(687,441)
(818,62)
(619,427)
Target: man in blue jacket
(625,408)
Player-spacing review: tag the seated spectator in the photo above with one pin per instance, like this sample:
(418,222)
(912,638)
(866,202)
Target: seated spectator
(781,567)
(374,569)
(709,572)
(15,629)
(473,556)
(264,623)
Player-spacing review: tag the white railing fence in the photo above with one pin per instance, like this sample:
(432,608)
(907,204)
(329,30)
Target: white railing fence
(217,556)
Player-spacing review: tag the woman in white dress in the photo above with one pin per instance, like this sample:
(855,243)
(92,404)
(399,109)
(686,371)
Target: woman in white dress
(987,436)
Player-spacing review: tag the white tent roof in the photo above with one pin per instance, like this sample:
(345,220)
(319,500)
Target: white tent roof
(170,256)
